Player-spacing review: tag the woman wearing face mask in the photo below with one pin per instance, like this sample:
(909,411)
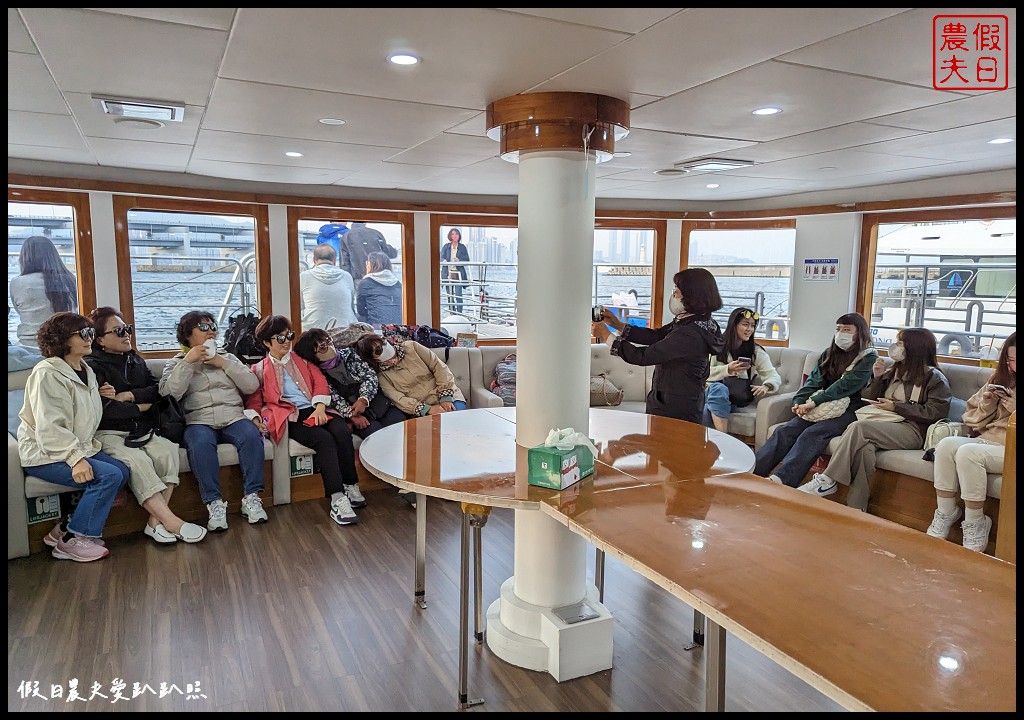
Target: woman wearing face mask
(129,390)
(293,393)
(842,371)
(912,387)
(738,362)
(411,376)
(355,393)
(679,351)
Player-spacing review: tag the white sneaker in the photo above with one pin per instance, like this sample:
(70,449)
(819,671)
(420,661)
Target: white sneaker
(820,485)
(943,523)
(218,515)
(252,508)
(354,496)
(342,512)
(976,534)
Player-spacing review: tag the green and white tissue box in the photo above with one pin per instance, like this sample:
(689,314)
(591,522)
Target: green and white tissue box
(558,469)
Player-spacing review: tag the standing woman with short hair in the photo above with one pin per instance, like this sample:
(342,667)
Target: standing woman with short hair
(57,435)
(680,351)
(44,287)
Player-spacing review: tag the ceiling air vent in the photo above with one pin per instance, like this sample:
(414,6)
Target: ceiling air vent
(713,165)
(154,110)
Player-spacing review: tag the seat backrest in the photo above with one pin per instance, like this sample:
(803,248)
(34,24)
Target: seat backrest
(458,362)
(964,381)
(790,363)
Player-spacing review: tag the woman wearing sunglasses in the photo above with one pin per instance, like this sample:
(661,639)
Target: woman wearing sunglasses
(211,385)
(733,369)
(292,393)
(129,390)
(57,435)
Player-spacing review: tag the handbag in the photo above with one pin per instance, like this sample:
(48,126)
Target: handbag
(170,419)
(877,414)
(603,391)
(827,410)
(940,430)
(740,394)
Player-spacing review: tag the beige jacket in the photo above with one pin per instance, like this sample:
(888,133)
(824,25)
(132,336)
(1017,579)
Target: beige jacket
(209,395)
(420,380)
(60,415)
(988,416)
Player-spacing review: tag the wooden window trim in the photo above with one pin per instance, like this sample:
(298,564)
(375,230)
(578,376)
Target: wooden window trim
(123,204)
(869,249)
(326,215)
(85,267)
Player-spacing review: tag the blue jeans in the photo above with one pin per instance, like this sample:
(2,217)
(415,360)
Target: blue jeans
(201,446)
(716,402)
(795,446)
(108,477)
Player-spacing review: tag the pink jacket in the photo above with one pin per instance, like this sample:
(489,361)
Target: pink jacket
(267,401)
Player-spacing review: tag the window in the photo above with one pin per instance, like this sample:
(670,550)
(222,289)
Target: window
(478,294)
(953,276)
(63,219)
(384,287)
(753,265)
(187,256)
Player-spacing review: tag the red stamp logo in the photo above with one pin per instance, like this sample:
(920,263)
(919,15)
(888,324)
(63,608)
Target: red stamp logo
(970,52)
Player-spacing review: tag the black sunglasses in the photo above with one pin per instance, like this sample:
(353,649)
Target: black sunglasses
(87,333)
(284,337)
(122,331)
(207,326)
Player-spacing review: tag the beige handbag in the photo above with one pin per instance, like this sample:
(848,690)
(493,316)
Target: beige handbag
(604,392)
(877,414)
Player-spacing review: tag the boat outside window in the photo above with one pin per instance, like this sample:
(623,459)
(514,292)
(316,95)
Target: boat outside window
(56,222)
(182,261)
(957,278)
(754,269)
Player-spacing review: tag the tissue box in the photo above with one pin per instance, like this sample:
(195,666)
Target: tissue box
(558,469)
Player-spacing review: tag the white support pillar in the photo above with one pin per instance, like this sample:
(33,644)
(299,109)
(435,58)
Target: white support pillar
(556,250)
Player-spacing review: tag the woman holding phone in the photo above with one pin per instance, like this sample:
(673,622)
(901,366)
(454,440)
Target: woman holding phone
(912,393)
(964,463)
(294,393)
(731,382)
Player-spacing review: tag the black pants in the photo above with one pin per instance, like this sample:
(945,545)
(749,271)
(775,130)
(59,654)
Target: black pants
(335,457)
(392,416)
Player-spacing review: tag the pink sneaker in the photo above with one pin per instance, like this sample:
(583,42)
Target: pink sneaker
(52,537)
(79,549)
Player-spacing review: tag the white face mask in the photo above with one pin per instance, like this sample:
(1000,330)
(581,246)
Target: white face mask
(387,351)
(675,306)
(897,353)
(844,341)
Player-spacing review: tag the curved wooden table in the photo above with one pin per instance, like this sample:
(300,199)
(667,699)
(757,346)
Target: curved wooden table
(874,615)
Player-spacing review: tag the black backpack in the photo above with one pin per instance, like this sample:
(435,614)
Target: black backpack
(240,339)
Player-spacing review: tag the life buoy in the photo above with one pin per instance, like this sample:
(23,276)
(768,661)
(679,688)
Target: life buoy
(964,341)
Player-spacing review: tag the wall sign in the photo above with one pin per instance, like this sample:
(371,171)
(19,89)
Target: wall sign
(821,270)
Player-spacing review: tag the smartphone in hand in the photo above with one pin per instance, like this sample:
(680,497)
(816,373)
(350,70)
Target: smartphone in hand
(310,421)
(744,361)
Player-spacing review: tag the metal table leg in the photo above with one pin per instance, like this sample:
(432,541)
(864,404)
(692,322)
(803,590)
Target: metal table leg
(714,669)
(599,573)
(478,520)
(419,591)
(698,631)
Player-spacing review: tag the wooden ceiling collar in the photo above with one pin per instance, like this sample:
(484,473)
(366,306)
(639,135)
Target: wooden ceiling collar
(558,121)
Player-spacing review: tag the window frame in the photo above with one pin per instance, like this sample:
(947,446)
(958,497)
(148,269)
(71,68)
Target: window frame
(85,267)
(869,250)
(123,204)
(690,225)
(343,215)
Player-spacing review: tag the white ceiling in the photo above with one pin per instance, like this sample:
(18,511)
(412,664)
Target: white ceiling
(859,116)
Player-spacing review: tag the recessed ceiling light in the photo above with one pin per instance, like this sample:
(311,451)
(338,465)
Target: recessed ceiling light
(828,167)
(713,164)
(622,153)
(138,123)
(767,111)
(712,186)
(292,153)
(670,172)
(330,121)
(1000,141)
(403,59)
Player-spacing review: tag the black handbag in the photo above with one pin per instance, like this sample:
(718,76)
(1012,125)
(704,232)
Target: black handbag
(740,393)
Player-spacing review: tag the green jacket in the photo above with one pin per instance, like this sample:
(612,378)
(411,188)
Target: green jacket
(848,385)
